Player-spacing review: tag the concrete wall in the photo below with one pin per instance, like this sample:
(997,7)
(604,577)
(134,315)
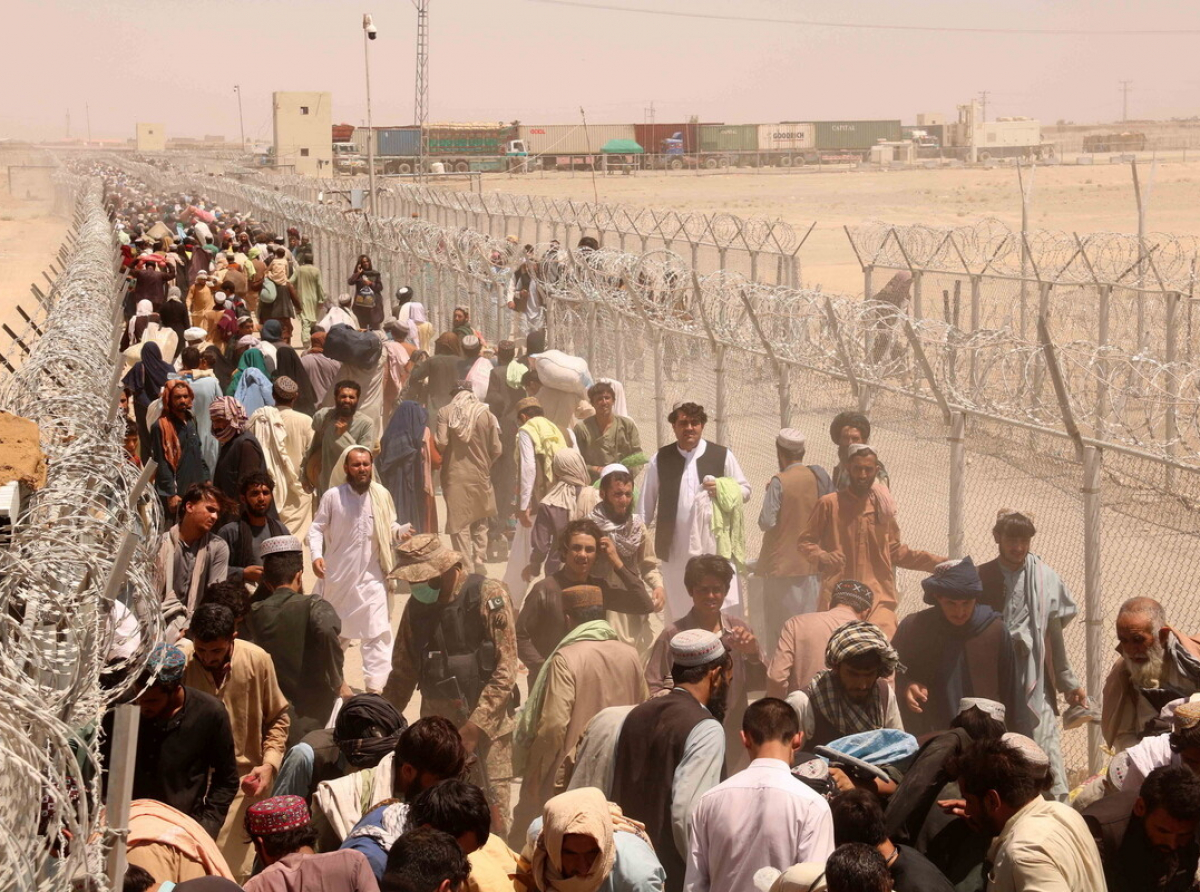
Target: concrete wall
(303,124)
(151,138)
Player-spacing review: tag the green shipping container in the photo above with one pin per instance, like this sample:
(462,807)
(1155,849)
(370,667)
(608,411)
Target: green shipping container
(729,138)
(855,135)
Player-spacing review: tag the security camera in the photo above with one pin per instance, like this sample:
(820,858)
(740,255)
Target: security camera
(369,26)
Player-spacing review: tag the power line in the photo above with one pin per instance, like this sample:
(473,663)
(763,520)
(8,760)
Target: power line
(983,96)
(1173,32)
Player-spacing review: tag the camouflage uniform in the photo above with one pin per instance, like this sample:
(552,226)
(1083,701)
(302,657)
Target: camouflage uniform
(494,711)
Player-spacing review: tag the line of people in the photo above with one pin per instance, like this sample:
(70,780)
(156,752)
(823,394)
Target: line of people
(612,669)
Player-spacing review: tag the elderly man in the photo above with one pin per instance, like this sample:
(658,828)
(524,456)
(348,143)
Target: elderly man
(846,429)
(1039,844)
(792,584)
(468,437)
(956,648)
(351,541)
(1157,664)
(707,578)
(242,676)
(176,448)
(583,841)
(606,438)
(671,749)
(853,534)
(1036,607)
(852,695)
(800,653)
(674,478)
(457,645)
(590,670)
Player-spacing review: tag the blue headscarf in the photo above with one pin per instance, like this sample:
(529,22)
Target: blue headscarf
(401,463)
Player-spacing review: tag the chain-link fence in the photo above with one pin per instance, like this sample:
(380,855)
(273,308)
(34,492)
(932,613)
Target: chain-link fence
(978,399)
(79,559)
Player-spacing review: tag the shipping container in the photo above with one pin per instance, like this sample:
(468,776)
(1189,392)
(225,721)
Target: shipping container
(451,140)
(855,135)
(341,133)
(398,141)
(729,138)
(572,139)
(360,140)
(650,136)
(788,136)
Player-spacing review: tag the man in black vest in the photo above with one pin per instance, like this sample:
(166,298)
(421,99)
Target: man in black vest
(457,643)
(674,477)
(671,749)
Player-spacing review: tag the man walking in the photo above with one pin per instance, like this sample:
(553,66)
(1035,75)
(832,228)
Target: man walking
(800,653)
(191,557)
(468,437)
(310,293)
(671,749)
(322,370)
(301,633)
(791,582)
(456,644)
(242,676)
(853,534)
(334,430)
(286,435)
(762,816)
(254,526)
(351,542)
(606,438)
(675,476)
(176,448)
(590,670)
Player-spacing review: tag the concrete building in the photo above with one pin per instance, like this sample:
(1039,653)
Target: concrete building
(151,138)
(303,124)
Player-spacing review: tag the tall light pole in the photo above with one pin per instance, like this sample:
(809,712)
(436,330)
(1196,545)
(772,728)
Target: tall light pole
(421,82)
(241,121)
(369,33)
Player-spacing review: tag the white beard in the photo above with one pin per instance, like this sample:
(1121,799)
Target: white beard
(1149,673)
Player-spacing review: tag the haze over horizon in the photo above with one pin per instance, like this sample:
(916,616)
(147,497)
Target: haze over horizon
(539,62)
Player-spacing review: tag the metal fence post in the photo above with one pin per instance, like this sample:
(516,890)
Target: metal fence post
(868,292)
(958,484)
(720,420)
(918,309)
(120,787)
(1093,464)
(1171,421)
(660,398)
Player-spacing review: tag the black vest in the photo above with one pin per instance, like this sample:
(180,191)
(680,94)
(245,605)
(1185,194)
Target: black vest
(649,749)
(670,472)
(992,579)
(453,653)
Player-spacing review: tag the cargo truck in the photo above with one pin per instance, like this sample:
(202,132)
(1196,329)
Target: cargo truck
(457,147)
(786,144)
(973,139)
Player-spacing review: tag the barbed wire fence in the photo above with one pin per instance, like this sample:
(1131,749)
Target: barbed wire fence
(974,410)
(80,557)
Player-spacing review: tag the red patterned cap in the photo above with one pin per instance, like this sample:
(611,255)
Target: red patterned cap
(275,815)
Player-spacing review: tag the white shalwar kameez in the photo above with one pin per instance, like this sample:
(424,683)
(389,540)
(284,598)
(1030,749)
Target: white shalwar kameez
(673,565)
(343,533)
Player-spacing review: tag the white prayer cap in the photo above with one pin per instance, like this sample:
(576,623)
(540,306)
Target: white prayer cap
(695,647)
(991,707)
(790,439)
(195,333)
(1028,748)
(280,545)
(858,448)
(806,877)
(615,466)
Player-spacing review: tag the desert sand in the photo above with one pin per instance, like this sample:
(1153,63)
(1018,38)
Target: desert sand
(1098,198)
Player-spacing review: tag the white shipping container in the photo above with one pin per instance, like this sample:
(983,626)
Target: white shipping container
(571,139)
(786,137)
(1009,133)
(360,139)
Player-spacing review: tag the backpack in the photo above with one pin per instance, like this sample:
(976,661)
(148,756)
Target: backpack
(268,293)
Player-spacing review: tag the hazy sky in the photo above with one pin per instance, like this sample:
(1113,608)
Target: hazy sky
(522,59)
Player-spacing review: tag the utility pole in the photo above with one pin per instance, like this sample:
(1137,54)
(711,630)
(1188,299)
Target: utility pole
(983,97)
(421,82)
(68,123)
(241,122)
(88,111)
(1126,86)
(369,33)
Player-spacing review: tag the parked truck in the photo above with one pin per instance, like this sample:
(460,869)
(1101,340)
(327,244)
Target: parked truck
(973,139)
(456,147)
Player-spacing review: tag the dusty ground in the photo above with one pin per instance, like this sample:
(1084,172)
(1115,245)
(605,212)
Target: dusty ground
(1073,198)
(30,235)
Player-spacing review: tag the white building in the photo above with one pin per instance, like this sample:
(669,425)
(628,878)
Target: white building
(151,138)
(304,132)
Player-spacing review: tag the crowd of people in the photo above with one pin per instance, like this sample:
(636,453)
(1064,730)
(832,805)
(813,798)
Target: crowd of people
(600,714)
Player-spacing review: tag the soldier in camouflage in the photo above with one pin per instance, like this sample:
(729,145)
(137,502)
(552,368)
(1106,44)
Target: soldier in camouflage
(457,644)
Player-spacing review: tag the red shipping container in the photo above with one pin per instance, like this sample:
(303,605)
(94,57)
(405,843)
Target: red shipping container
(650,136)
(343,133)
